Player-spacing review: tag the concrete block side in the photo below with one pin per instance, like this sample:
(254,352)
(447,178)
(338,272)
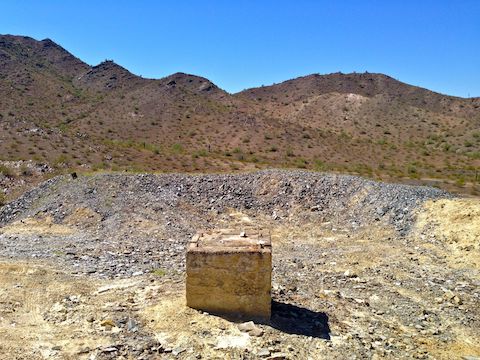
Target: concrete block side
(230,283)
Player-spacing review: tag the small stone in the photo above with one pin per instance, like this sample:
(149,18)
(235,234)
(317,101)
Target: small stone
(349,274)
(108,322)
(115,330)
(132,325)
(247,326)
(263,352)
(178,350)
(449,295)
(257,332)
(84,350)
(278,356)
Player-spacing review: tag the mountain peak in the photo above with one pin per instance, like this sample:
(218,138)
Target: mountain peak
(45,53)
(193,82)
(107,75)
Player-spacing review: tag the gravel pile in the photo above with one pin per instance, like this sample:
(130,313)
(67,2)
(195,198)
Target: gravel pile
(139,222)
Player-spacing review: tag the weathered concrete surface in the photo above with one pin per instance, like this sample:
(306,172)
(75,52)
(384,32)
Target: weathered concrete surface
(230,274)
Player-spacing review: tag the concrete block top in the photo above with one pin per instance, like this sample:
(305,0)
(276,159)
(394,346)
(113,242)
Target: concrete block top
(231,241)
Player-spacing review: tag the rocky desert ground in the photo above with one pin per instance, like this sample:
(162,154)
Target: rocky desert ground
(93,268)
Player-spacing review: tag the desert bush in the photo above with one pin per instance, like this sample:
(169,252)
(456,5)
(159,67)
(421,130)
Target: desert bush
(159,272)
(319,165)
(460,180)
(412,171)
(301,163)
(6,171)
(25,170)
(177,148)
(60,161)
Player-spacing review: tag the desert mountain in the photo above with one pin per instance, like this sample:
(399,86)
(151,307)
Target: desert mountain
(54,108)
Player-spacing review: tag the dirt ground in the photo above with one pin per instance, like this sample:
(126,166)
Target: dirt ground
(378,295)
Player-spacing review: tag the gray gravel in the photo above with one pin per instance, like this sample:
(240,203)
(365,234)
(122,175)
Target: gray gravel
(117,243)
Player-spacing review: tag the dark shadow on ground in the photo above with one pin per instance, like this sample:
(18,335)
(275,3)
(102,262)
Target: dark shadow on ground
(292,319)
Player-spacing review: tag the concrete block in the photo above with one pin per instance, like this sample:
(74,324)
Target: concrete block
(230,273)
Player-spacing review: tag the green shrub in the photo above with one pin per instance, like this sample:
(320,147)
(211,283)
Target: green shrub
(412,171)
(61,160)
(177,148)
(301,163)
(25,170)
(159,272)
(319,165)
(6,171)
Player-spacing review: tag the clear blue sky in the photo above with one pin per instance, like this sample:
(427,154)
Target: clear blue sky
(240,44)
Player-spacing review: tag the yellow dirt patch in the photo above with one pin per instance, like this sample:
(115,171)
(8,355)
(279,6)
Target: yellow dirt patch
(175,324)
(468,345)
(39,226)
(83,217)
(27,292)
(456,223)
